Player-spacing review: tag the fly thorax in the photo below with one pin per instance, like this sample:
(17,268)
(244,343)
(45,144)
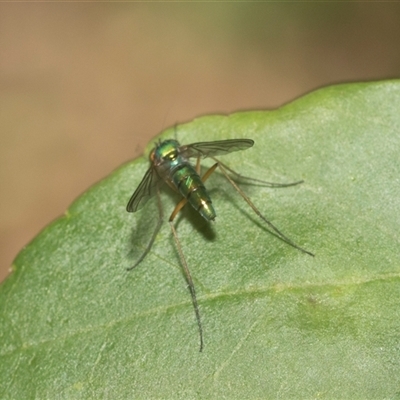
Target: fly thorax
(166,158)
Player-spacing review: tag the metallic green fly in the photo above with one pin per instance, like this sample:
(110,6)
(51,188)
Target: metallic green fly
(170,164)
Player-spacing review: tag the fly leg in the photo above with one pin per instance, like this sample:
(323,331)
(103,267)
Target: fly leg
(190,282)
(283,237)
(188,276)
(264,183)
(153,237)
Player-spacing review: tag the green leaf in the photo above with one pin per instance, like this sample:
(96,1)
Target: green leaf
(277,323)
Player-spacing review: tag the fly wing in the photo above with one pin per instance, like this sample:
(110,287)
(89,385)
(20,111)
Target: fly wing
(215,148)
(146,189)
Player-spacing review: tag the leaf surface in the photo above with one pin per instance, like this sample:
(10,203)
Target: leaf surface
(277,323)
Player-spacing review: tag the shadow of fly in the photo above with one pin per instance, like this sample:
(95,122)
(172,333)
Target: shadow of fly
(170,164)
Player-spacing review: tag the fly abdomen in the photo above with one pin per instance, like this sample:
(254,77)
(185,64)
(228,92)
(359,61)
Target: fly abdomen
(190,185)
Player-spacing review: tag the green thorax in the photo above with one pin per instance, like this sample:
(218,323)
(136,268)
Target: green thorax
(174,168)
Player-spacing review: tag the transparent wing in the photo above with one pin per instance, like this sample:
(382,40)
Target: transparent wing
(146,189)
(215,148)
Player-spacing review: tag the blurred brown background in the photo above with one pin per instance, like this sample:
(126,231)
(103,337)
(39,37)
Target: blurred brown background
(84,86)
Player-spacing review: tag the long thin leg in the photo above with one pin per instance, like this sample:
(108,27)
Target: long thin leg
(255,209)
(189,279)
(265,183)
(153,237)
(178,208)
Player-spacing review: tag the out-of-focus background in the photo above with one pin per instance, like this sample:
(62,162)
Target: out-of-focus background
(85,86)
